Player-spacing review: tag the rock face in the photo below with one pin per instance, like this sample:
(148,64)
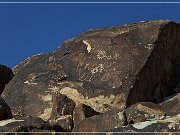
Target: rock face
(103,69)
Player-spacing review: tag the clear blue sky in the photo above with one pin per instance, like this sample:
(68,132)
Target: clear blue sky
(28,29)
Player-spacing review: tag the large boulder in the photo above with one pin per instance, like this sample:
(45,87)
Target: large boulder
(104,68)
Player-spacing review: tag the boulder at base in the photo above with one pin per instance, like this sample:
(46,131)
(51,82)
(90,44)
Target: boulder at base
(102,123)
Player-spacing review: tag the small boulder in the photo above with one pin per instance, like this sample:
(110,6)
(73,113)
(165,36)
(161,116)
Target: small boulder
(143,111)
(103,122)
(83,111)
(171,105)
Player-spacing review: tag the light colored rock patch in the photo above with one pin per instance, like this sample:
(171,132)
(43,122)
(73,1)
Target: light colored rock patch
(54,88)
(120,115)
(46,98)
(47,114)
(148,110)
(100,103)
(30,83)
(64,117)
(142,125)
(73,94)
(71,84)
(170,119)
(89,48)
(30,79)
(5,122)
(172,125)
(149,46)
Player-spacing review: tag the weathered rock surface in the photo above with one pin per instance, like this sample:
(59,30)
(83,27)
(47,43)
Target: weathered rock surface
(143,111)
(104,69)
(5,111)
(24,125)
(103,122)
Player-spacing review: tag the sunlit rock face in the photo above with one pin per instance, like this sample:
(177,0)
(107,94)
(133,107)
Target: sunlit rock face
(104,69)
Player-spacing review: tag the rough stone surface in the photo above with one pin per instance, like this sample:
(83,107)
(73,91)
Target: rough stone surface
(102,123)
(5,111)
(143,111)
(172,105)
(104,69)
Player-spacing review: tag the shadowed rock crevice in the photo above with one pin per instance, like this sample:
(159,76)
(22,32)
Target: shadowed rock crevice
(174,86)
(154,78)
(6,75)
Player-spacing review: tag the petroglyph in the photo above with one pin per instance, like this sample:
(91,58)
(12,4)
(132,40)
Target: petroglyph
(102,54)
(30,83)
(121,32)
(97,69)
(88,45)
(149,46)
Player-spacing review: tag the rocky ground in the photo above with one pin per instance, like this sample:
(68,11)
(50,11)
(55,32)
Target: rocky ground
(116,79)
